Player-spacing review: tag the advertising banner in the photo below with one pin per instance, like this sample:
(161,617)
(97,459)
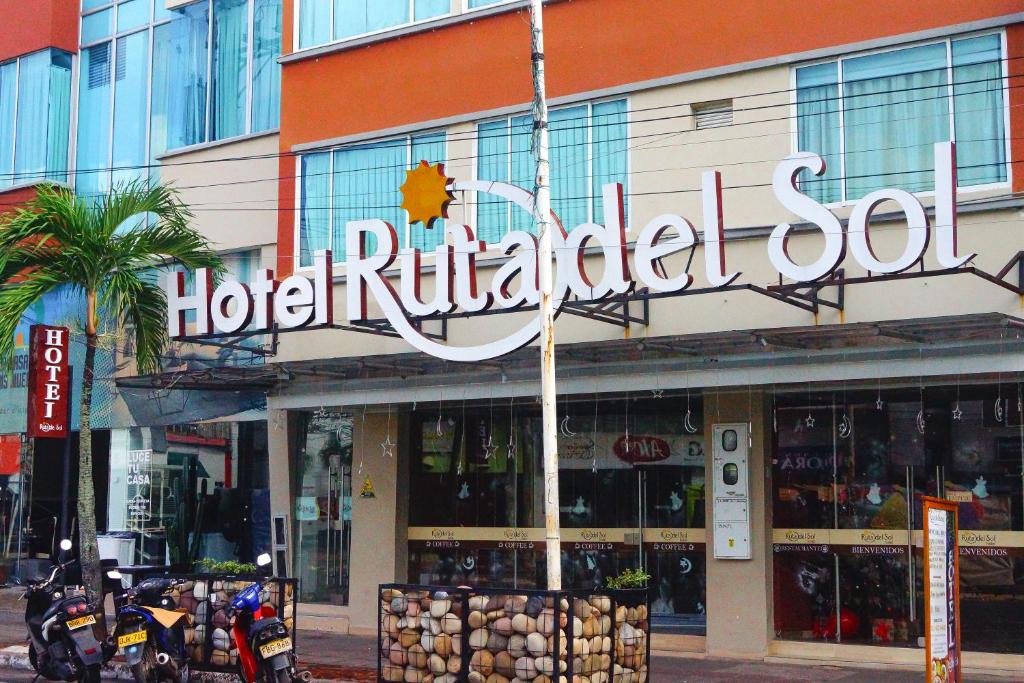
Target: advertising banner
(941,592)
(48,382)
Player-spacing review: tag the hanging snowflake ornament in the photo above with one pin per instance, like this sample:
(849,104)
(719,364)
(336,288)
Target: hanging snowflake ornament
(658,393)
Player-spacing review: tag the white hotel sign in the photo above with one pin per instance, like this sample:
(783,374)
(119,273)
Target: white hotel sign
(297,301)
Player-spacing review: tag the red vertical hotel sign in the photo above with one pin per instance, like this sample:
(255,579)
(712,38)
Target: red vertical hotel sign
(48,382)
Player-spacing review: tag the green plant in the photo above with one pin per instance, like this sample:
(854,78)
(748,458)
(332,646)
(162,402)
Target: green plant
(211,566)
(629,578)
(105,250)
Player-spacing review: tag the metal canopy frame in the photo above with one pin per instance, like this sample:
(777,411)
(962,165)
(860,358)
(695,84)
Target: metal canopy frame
(709,347)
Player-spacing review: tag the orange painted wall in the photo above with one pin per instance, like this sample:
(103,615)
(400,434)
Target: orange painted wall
(1015,71)
(591,44)
(31,25)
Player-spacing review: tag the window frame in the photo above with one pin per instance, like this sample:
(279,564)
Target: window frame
(406,228)
(507,119)
(455,8)
(947,41)
(15,177)
(150,26)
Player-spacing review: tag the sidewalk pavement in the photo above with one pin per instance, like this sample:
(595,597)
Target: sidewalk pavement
(352,659)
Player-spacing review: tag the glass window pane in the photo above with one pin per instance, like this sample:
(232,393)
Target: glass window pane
(129,145)
(315,212)
(979,114)
(97,26)
(266,72)
(230,38)
(132,14)
(354,17)
(609,153)
(569,181)
(473,4)
(93,4)
(428,148)
(492,164)
(160,11)
(93,136)
(522,169)
(44,90)
(366,185)
(178,117)
(314,22)
(895,110)
(817,123)
(8,94)
(425,9)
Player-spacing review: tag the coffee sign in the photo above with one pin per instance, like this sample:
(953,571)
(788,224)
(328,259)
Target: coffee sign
(390,276)
(48,382)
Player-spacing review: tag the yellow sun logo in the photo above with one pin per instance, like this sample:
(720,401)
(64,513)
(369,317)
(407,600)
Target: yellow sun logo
(425,194)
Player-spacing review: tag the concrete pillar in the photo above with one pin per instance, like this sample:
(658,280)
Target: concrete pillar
(280,437)
(377,526)
(739,592)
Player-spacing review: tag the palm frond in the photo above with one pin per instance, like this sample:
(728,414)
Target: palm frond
(142,305)
(15,299)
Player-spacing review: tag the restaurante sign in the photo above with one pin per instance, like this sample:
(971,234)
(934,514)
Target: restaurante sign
(298,302)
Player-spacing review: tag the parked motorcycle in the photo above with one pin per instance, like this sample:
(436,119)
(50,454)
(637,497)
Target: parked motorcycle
(60,619)
(266,653)
(150,631)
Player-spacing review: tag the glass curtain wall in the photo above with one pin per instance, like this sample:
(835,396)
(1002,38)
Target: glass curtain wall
(155,80)
(848,474)
(322,21)
(631,495)
(35,113)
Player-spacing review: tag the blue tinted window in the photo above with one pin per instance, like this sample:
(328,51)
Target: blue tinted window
(132,14)
(266,72)
(429,148)
(130,74)
(353,17)
(44,110)
(93,137)
(228,81)
(315,208)
(8,94)
(426,9)
(314,22)
(180,53)
(97,26)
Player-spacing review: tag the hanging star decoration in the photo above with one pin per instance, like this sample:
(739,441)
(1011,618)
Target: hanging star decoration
(879,404)
(425,194)
(490,448)
(388,447)
(513,447)
(957,413)
(658,393)
(809,421)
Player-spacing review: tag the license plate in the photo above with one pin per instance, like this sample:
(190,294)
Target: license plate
(275,647)
(81,621)
(131,638)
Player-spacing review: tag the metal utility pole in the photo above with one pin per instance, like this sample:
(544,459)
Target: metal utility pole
(542,204)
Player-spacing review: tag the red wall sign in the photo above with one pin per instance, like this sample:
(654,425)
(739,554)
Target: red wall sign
(48,382)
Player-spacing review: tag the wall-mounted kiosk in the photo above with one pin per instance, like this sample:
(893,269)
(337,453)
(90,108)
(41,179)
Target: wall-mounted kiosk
(731,503)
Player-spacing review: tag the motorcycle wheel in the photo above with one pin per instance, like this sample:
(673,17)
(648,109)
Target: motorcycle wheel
(91,674)
(145,670)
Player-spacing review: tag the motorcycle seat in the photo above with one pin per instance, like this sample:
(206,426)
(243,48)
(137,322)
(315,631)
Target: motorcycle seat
(168,618)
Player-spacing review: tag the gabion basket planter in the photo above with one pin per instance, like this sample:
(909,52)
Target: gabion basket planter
(431,634)
(208,640)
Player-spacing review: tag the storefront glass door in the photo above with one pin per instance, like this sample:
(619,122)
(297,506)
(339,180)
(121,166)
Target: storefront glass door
(323,507)
(849,472)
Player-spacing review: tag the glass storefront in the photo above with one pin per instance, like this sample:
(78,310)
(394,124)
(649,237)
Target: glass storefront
(182,494)
(631,495)
(848,473)
(322,486)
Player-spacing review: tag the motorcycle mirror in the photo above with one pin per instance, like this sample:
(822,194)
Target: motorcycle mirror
(263,560)
(65,544)
(114,574)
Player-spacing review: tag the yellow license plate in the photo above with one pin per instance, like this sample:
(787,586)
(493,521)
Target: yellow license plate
(275,647)
(81,621)
(131,638)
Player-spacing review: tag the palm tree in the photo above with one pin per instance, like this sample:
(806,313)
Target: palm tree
(104,249)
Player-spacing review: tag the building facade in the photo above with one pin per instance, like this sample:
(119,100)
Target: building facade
(840,399)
